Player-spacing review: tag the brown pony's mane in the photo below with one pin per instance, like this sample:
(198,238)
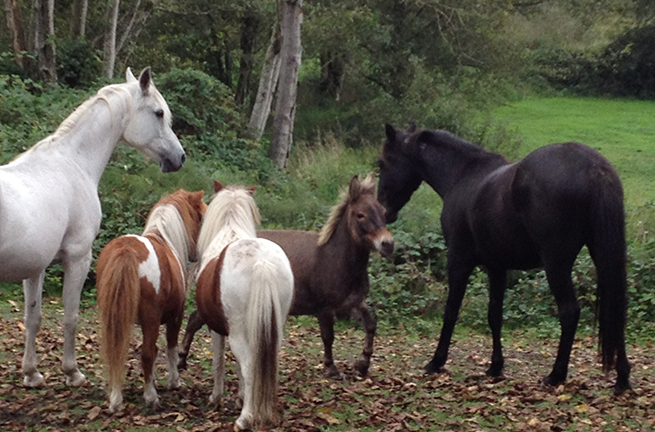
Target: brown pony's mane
(346,197)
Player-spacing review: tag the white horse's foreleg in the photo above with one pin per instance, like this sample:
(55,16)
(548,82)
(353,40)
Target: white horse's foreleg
(74,274)
(241,349)
(32,288)
(242,391)
(218,367)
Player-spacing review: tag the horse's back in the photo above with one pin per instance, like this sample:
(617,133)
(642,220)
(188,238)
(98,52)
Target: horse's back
(544,200)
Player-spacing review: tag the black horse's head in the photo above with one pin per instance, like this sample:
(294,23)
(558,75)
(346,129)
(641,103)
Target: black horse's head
(399,175)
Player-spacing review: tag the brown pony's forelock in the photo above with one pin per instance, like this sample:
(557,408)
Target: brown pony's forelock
(346,197)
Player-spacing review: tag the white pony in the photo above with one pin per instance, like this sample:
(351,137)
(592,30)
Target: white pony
(49,205)
(244,290)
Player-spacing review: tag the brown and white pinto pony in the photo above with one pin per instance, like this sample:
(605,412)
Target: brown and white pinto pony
(143,279)
(244,290)
(330,268)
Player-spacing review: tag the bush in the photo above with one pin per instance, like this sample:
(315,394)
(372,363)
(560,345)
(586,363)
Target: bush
(78,63)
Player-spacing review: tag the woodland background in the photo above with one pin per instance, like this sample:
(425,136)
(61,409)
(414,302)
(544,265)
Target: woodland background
(444,64)
(509,75)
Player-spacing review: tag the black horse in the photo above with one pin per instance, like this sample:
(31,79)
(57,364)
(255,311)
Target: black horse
(537,212)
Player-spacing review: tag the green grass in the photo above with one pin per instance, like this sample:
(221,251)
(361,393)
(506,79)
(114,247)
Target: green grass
(622,130)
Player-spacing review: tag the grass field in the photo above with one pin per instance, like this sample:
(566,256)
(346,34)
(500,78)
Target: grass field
(622,130)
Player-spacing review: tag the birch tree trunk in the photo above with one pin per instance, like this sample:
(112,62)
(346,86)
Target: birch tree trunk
(78,29)
(15,25)
(44,42)
(267,84)
(285,109)
(110,40)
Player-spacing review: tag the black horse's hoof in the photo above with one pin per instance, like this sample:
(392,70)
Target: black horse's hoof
(621,387)
(550,381)
(361,366)
(333,373)
(432,368)
(495,371)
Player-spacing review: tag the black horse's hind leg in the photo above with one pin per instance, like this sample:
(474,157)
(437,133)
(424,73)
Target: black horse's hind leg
(558,273)
(326,322)
(458,275)
(361,312)
(194,324)
(497,285)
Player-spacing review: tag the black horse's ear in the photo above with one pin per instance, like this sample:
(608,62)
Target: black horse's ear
(391,132)
(412,127)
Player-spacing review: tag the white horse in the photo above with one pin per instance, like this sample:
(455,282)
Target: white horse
(244,291)
(49,205)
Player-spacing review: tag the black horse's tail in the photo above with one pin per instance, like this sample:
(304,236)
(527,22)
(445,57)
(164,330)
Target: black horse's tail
(608,250)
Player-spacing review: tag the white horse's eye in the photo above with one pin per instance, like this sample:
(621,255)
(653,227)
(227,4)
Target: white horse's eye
(159,113)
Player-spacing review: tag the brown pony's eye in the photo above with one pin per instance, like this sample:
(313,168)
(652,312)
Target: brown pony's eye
(360,216)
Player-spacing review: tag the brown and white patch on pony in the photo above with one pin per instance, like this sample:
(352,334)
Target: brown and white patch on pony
(208,295)
(149,266)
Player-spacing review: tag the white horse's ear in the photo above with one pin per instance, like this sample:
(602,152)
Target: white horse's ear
(129,76)
(144,80)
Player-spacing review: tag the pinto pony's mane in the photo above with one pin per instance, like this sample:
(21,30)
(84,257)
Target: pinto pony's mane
(231,214)
(167,218)
(346,197)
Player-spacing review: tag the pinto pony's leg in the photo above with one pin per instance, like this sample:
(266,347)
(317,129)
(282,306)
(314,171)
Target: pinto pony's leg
(458,275)
(370,326)
(150,329)
(218,367)
(194,324)
(75,272)
(497,285)
(326,322)
(172,332)
(33,288)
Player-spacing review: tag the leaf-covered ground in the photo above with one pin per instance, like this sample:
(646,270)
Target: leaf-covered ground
(395,396)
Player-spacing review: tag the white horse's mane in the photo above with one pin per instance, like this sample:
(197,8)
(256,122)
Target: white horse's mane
(232,214)
(167,221)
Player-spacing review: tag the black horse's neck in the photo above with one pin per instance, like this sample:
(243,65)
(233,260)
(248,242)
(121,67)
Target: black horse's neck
(449,161)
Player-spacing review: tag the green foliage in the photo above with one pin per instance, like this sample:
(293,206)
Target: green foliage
(78,63)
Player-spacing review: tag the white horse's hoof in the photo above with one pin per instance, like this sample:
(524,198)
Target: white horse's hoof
(116,408)
(75,379)
(174,384)
(242,423)
(34,380)
(215,400)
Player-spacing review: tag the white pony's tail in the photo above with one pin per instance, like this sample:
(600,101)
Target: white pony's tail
(264,327)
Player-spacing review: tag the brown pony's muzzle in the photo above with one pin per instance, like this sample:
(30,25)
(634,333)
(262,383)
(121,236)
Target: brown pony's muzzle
(384,243)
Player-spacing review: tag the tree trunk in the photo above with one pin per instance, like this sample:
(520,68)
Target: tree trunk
(133,29)
(285,109)
(249,30)
(15,25)
(333,68)
(78,29)
(267,83)
(110,40)
(44,42)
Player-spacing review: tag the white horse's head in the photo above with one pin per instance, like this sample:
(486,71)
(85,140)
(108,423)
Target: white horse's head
(149,129)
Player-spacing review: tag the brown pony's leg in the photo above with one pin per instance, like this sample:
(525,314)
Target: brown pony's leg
(370,326)
(150,329)
(194,324)
(326,321)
